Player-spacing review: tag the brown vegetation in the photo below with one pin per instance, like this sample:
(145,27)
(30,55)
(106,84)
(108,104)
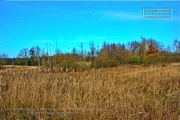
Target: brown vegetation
(127,92)
(152,49)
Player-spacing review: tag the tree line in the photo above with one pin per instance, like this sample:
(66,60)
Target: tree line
(145,51)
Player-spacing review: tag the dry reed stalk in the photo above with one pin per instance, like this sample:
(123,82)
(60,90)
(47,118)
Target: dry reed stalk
(114,93)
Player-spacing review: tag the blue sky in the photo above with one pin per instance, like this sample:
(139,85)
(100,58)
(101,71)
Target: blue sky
(27,24)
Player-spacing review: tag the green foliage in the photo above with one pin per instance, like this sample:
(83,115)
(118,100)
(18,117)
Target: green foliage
(10,61)
(135,59)
(20,61)
(33,62)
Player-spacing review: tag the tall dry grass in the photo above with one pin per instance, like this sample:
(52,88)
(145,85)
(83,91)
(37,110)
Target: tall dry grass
(113,93)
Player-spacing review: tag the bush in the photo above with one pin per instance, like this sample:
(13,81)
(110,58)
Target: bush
(135,59)
(113,63)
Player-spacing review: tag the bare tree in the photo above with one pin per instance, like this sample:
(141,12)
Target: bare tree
(92,51)
(135,46)
(176,44)
(74,52)
(82,51)
(142,49)
(24,53)
(37,53)
(168,48)
(43,57)
(3,57)
(32,52)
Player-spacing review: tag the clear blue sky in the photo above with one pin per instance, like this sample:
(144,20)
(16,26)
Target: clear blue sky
(27,24)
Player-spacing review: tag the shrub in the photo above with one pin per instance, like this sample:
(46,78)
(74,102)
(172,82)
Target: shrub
(113,63)
(135,59)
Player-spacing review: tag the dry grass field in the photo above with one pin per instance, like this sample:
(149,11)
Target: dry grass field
(124,93)
(11,67)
